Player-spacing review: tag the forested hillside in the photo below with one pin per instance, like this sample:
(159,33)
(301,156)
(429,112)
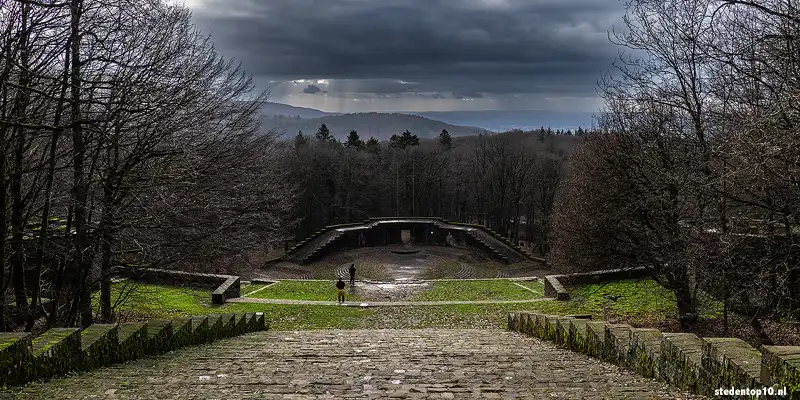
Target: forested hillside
(379,125)
(506,181)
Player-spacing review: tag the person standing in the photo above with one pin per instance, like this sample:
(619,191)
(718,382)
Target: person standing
(352,275)
(340,290)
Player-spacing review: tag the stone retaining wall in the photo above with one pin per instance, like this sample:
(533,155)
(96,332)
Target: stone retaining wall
(554,284)
(225,286)
(699,365)
(61,350)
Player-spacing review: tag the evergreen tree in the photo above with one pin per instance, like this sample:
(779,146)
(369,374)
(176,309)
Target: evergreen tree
(354,141)
(445,140)
(407,139)
(300,140)
(372,146)
(324,134)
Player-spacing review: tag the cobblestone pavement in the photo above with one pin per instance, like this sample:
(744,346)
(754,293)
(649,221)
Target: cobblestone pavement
(429,363)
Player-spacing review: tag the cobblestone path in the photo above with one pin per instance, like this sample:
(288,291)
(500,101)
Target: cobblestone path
(430,363)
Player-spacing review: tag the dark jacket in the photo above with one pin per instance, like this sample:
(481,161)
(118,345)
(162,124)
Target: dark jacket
(352,271)
(340,284)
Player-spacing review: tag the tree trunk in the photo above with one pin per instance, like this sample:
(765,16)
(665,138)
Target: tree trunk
(18,204)
(687,306)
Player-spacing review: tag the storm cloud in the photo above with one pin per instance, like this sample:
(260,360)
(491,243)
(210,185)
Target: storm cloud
(478,49)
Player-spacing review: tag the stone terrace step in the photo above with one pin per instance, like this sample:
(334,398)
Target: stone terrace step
(429,363)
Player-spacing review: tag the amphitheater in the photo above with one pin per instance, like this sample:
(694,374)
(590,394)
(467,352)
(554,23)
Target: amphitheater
(537,355)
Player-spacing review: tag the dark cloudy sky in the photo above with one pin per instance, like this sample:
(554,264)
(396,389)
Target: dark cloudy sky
(419,55)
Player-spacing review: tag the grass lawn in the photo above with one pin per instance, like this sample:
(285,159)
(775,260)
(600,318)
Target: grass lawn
(475,290)
(639,302)
(155,302)
(301,290)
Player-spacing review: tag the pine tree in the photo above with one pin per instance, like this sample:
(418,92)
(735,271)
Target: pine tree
(445,140)
(300,140)
(372,146)
(354,141)
(324,134)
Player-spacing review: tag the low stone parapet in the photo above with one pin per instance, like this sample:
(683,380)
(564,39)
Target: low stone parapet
(225,286)
(61,350)
(15,356)
(554,285)
(699,365)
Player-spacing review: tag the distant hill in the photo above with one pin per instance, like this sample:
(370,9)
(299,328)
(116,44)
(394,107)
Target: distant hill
(501,121)
(271,109)
(380,125)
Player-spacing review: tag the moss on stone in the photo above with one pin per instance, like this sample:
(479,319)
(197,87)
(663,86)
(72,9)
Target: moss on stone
(159,336)
(645,349)
(240,319)
(99,345)
(617,338)
(681,356)
(595,339)
(55,352)
(199,329)
(577,336)
(729,362)
(182,333)
(215,328)
(16,356)
(563,331)
(131,341)
(228,325)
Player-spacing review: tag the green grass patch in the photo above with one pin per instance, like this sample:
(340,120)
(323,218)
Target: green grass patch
(495,289)
(304,290)
(639,302)
(536,286)
(157,302)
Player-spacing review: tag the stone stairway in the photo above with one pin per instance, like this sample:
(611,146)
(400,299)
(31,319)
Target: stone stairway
(428,363)
(486,241)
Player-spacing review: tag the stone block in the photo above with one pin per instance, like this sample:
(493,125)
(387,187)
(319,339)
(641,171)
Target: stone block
(530,321)
(215,328)
(251,322)
(729,362)
(512,321)
(539,325)
(200,329)
(55,352)
(131,341)
(241,323)
(228,325)
(617,340)
(563,331)
(16,356)
(159,336)
(99,345)
(595,342)
(681,356)
(554,289)
(645,355)
(577,335)
(780,368)
(261,322)
(182,333)
(550,327)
